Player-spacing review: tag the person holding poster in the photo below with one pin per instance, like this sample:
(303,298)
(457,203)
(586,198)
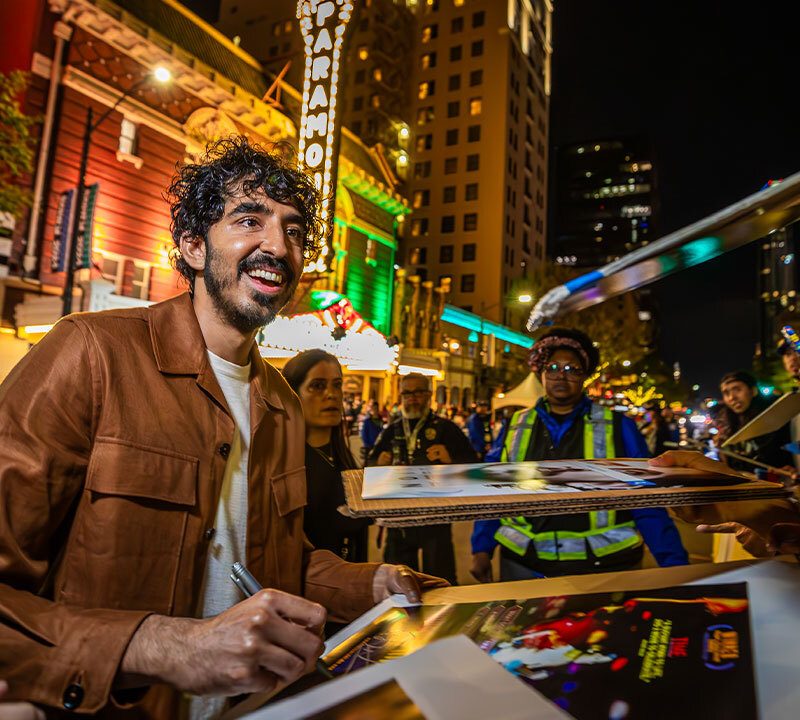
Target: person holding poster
(563,425)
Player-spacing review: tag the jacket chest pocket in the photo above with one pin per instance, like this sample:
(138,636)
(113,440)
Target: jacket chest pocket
(286,534)
(130,528)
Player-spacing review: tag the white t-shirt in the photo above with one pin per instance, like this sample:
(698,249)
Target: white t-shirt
(229,544)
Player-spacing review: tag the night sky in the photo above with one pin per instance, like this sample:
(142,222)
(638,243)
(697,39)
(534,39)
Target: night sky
(713,86)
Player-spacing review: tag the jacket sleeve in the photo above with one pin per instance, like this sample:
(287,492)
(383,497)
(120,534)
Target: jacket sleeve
(633,441)
(48,406)
(343,588)
(475,429)
(661,536)
(483,536)
(459,446)
(495,454)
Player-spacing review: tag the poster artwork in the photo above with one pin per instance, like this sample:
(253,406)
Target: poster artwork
(681,652)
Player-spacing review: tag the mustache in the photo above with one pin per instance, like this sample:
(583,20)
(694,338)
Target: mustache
(267,262)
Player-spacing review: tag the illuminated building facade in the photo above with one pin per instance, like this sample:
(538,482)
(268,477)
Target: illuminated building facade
(374,91)
(478,174)
(605,203)
(95,54)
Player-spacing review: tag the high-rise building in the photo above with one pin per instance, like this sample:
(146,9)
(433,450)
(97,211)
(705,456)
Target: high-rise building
(478,175)
(605,202)
(375,80)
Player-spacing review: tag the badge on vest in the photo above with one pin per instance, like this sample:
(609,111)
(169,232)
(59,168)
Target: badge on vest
(430,433)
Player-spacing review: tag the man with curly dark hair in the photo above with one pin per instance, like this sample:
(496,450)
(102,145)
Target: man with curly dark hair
(146,450)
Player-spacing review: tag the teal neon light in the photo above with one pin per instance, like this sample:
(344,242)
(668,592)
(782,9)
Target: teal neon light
(473,336)
(321,299)
(471,321)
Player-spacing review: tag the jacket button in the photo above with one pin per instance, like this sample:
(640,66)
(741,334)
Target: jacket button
(209,533)
(73,696)
(224,450)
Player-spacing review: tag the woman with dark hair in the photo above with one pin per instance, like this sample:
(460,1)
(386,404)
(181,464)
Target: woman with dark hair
(316,377)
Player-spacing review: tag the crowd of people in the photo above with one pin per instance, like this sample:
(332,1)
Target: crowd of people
(147,450)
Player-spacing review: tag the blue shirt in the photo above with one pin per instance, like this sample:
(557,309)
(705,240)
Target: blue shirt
(654,524)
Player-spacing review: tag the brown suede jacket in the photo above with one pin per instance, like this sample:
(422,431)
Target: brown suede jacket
(114,435)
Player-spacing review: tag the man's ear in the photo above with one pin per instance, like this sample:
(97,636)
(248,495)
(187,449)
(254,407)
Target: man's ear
(193,251)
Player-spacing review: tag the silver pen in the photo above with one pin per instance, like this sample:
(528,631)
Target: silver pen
(244,580)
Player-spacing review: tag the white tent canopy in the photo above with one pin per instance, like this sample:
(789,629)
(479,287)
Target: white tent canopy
(523,395)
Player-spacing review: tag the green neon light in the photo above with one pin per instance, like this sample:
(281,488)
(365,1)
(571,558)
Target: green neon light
(388,242)
(321,299)
(471,321)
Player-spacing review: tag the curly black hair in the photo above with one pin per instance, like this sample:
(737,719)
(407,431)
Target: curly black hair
(198,192)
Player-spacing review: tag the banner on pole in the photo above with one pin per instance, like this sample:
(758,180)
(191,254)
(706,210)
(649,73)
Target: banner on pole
(83,257)
(63,231)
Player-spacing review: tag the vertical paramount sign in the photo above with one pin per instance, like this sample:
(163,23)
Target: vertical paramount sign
(323,25)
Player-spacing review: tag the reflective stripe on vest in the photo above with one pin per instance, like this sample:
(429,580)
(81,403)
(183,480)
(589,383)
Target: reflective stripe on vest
(605,536)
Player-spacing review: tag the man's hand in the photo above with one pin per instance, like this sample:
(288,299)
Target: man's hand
(439,452)
(482,567)
(385,458)
(691,459)
(391,579)
(266,641)
(747,538)
(17,710)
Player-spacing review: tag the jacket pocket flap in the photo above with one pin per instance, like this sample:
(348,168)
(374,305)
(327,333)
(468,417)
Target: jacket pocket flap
(120,468)
(289,489)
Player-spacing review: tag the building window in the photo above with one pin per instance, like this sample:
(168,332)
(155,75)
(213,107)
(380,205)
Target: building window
(468,283)
(470,222)
(455,53)
(426,89)
(448,223)
(449,194)
(113,269)
(451,137)
(375,100)
(450,165)
(428,60)
(356,127)
(475,106)
(446,254)
(377,74)
(129,143)
(476,49)
(371,255)
(363,52)
(453,109)
(424,142)
(474,133)
(469,252)
(418,256)
(473,162)
(419,226)
(457,25)
(425,115)
(276,29)
(476,78)
(422,169)
(454,82)
(358,103)
(361,76)
(363,26)
(430,32)
(471,191)
(478,19)
(422,198)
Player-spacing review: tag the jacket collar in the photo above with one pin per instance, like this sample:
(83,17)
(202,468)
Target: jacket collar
(180,349)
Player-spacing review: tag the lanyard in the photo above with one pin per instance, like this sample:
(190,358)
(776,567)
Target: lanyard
(411,435)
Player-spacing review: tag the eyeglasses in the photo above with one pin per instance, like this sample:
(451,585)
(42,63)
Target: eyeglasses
(571,372)
(407,394)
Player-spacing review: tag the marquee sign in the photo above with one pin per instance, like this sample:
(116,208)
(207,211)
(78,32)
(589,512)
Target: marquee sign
(323,24)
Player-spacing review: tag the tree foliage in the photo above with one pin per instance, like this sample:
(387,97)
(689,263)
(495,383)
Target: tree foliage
(17,144)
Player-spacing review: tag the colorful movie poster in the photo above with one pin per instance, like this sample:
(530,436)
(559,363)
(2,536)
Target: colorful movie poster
(681,652)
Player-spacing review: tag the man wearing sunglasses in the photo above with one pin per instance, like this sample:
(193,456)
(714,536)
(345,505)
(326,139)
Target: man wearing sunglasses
(420,437)
(564,425)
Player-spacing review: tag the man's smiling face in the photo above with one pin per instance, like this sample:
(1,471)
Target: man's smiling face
(254,259)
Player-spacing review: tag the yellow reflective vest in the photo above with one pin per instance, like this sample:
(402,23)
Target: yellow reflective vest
(605,535)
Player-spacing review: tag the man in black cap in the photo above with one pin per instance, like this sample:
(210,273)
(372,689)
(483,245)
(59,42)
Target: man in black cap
(479,427)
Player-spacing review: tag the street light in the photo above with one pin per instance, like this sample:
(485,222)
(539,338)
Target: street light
(161,75)
(525,298)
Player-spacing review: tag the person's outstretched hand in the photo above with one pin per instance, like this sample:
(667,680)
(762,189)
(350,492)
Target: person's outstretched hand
(392,579)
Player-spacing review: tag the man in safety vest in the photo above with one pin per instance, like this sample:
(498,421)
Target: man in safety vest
(564,425)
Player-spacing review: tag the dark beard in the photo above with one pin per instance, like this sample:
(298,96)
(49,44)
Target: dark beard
(251,317)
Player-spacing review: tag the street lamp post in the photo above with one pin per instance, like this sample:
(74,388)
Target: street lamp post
(162,75)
